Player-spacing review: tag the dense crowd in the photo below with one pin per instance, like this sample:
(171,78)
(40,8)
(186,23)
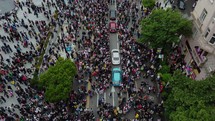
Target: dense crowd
(22,41)
(87,29)
(138,62)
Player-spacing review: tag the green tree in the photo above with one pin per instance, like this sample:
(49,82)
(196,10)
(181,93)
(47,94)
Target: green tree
(162,28)
(190,100)
(148,3)
(58,79)
(165,69)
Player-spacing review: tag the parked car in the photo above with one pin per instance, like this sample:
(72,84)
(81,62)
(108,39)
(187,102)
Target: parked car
(112,14)
(116,76)
(115,57)
(113,27)
(181,4)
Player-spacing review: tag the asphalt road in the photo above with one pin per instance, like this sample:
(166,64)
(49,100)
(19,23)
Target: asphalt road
(113,100)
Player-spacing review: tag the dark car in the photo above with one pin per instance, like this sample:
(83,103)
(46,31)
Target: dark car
(181,4)
(112,14)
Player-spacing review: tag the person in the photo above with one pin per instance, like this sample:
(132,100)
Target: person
(3,99)
(110,94)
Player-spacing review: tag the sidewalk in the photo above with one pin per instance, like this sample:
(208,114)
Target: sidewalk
(20,15)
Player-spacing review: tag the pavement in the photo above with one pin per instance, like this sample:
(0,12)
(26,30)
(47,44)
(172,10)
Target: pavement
(6,6)
(13,100)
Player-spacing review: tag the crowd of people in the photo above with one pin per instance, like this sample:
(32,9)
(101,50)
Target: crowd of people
(138,62)
(22,40)
(86,28)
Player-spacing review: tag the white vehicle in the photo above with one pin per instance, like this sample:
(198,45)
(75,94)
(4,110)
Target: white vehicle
(115,57)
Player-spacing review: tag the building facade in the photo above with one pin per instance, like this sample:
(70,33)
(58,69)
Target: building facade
(199,50)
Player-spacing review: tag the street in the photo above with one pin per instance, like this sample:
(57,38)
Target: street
(113,95)
(84,27)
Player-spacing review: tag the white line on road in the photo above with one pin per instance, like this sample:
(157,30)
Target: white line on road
(117,41)
(117,45)
(112,91)
(115,5)
(113,99)
(97,103)
(135,84)
(105,97)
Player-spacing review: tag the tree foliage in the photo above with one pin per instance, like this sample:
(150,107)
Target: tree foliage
(57,80)
(148,3)
(162,28)
(190,100)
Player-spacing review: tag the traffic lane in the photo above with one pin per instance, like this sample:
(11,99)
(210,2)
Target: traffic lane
(94,100)
(114,99)
(113,37)
(114,42)
(111,96)
(94,104)
(112,6)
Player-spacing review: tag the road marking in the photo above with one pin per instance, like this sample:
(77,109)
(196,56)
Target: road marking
(112,91)
(117,45)
(117,41)
(113,99)
(88,96)
(115,5)
(105,97)
(97,100)
(135,84)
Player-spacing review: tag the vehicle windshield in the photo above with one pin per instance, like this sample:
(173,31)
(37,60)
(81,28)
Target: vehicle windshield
(115,58)
(115,54)
(112,25)
(112,14)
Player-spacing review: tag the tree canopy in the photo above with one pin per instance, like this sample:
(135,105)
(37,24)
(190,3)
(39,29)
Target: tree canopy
(148,3)
(162,28)
(58,79)
(190,100)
